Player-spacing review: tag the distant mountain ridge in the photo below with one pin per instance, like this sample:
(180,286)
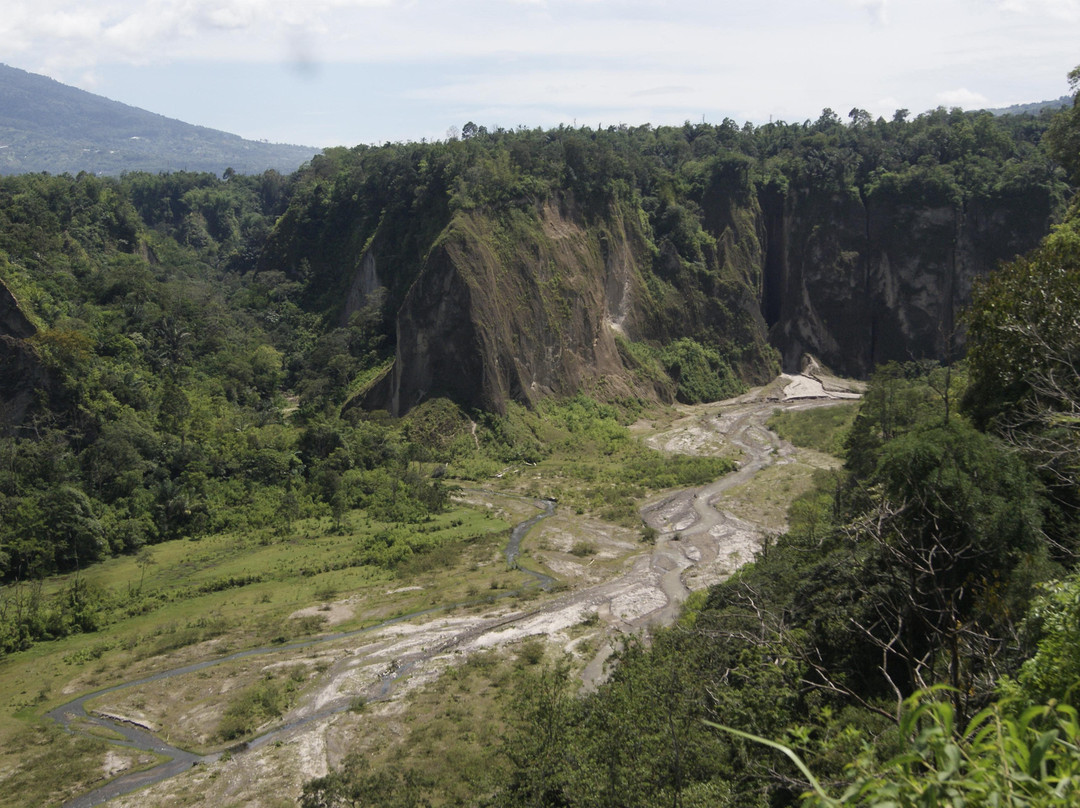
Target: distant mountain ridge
(1033,108)
(49,126)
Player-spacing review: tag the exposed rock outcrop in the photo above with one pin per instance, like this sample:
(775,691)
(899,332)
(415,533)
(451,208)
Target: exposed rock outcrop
(366,287)
(489,294)
(861,281)
(21,370)
(518,309)
(528,304)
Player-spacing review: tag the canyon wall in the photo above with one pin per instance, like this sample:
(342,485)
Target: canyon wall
(858,281)
(514,269)
(21,370)
(499,313)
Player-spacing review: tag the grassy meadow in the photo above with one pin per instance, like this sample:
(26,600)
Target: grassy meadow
(185,601)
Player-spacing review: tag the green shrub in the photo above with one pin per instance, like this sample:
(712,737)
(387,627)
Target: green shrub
(998,759)
(1053,673)
(700,373)
(251,708)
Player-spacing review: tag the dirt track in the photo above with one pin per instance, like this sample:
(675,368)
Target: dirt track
(697,545)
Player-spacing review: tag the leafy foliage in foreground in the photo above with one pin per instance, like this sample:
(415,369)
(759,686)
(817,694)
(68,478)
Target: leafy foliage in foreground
(997,758)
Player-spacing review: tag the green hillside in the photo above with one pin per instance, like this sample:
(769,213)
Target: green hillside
(232,404)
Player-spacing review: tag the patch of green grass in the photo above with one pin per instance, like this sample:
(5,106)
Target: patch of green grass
(765,500)
(693,604)
(450,727)
(49,766)
(181,605)
(100,732)
(823,429)
(531,652)
(195,591)
(583,548)
(250,709)
(590,461)
(171,636)
(582,453)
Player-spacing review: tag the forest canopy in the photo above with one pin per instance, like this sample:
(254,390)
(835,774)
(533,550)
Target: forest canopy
(180,359)
(190,367)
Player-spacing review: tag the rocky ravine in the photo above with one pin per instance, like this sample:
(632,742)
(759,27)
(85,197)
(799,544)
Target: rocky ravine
(698,544)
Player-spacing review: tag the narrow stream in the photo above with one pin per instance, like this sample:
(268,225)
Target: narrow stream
(513,547)
(759,451)
(180,760)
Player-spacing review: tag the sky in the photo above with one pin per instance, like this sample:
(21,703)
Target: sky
(343,72)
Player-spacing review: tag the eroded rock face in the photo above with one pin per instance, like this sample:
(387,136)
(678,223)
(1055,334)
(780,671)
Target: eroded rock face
(493,318)
(859,282)
(533,301)
(439,352)
(366,286)
(21,371)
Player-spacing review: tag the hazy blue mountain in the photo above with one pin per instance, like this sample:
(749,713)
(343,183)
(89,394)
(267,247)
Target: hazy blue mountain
(49,126)
(1033,108)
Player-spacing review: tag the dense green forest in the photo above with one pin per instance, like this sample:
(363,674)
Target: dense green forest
(189,330)
(189,364)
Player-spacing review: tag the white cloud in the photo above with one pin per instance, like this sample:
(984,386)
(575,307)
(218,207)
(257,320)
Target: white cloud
(878,9)
(88,80)
(526,61)
(77,23)
(82,33)
(1065,10)
(600,89)
(97,31)
(886,107)
(963,98)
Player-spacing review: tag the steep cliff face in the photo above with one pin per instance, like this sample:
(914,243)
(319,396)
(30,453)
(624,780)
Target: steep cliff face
(530,302)
(733,215)
(366,286)
(861,280)
(21,371)
(517,307)
(516,265)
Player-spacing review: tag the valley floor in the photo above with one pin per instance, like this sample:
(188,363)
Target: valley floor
(355,684)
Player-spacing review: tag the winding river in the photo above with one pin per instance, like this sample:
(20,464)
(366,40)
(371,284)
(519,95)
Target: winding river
(74,713)
(692,533)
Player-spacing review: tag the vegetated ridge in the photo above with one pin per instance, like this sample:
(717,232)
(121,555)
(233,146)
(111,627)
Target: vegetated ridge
(49,126)
(214,353)
(1034,107)
(511,265)
(671,263)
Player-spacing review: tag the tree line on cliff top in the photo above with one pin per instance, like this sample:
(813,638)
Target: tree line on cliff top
(188,388)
